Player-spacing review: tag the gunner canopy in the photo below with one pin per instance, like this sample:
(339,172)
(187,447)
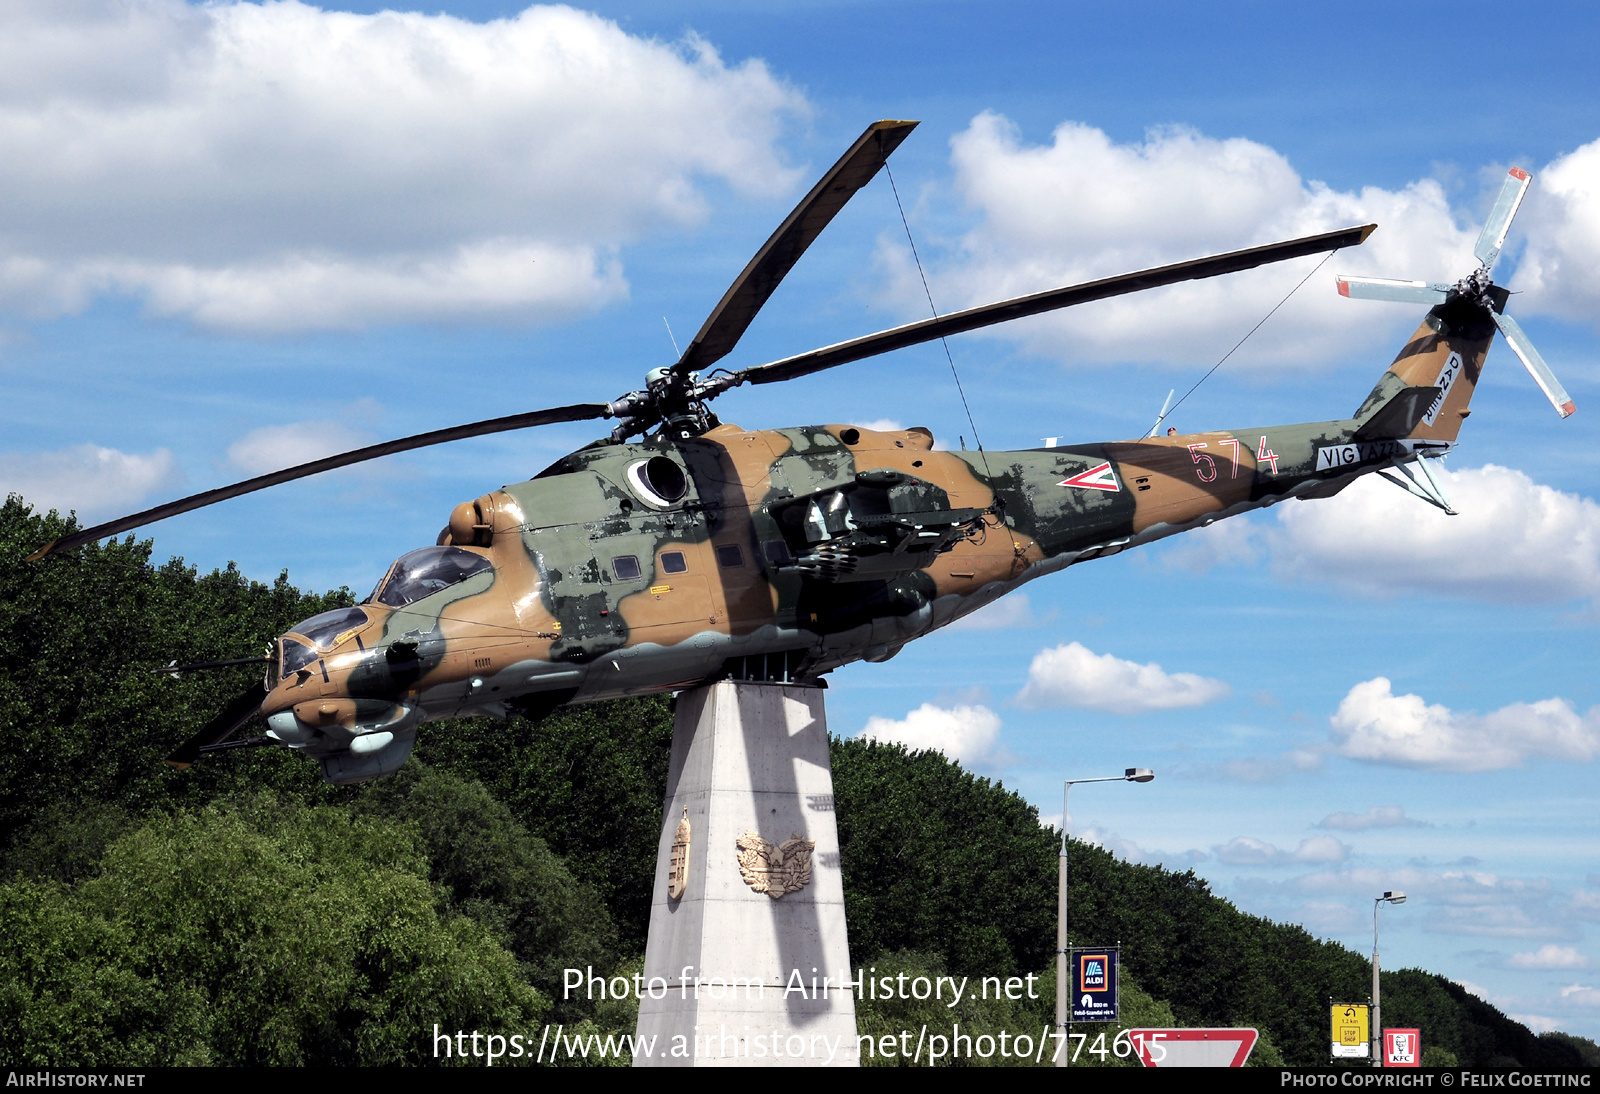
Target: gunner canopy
(426,571)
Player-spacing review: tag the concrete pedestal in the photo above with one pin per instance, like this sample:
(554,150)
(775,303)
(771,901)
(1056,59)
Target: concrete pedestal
(738,975)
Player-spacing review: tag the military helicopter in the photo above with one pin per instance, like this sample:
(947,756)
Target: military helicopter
(703,551)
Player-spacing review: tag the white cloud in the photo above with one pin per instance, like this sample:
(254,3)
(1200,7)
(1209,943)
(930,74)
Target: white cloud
(1248,851)
(1562,211)
(1009,612)
(1536,1022)
(493,279)
(277,446)
(1265,769)
(1585,903)
(1121,847)
(96,482)
(1470,902)
(1549,957)
(1580,994)
(1374,724)
(277,167)
(1513,540)
(1072,676)
(1326,917)
(882,425)
(968,734)
(1083,207)
(1379,816)
(1234,541)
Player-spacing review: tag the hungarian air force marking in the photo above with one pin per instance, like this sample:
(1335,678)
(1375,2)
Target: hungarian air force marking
(1096,478)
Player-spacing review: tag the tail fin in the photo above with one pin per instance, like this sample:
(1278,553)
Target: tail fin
(1425,394)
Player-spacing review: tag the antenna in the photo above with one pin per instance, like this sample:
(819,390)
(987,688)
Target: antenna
(675,352)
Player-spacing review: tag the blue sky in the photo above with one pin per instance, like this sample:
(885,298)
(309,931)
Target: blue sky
(236,237)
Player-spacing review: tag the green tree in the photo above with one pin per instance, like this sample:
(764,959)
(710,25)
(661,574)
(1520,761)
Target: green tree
(260,933)
(953,1024)
(83,717)
(588,780)
(500,874)
(937,860)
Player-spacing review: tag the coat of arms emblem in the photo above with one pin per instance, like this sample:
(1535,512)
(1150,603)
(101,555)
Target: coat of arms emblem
(678,865)
(775,869)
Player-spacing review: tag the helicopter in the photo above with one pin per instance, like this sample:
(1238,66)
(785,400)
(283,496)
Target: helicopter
(680,550)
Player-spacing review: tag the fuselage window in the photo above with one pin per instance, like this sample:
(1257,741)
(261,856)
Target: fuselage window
(729,556)
(777,552)
(625,567)
(672,562)
(427,571)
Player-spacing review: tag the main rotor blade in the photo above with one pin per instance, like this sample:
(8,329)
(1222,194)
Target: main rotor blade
(1493,236)
(228,721)
(1518,341)
(1385,288)
(1005,310)
(738,307)
(576,413)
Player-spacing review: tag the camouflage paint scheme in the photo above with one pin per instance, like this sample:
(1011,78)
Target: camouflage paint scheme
(884,539)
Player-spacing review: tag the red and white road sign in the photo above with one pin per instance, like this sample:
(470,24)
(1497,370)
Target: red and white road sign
(1193,1047)
(1402,1048)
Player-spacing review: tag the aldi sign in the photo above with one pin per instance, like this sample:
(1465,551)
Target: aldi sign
(1094,985)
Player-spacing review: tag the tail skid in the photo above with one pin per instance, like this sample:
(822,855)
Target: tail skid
(1420,482)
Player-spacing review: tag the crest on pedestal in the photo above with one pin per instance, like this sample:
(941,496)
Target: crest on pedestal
(678,868)
(775,869)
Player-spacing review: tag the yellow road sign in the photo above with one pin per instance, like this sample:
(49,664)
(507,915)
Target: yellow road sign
(1352,1031)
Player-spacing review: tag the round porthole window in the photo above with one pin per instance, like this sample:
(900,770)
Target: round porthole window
(658,481)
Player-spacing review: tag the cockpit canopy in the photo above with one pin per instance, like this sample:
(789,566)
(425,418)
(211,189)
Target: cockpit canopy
(324,632)
(415,575)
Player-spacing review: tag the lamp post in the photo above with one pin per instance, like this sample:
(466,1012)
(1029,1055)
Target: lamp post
(1063,956)
(1392,897)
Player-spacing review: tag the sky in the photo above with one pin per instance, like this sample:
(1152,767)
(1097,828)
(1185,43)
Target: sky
(235,237)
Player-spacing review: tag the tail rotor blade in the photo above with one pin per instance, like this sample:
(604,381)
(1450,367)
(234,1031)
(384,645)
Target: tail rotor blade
(1495,228)
(1518,341)
(1166,406)
(241,709)
(1383,288)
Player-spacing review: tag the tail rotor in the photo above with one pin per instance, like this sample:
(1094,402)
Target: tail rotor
(1476,287)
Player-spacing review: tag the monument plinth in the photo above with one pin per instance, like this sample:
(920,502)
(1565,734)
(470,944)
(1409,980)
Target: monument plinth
(744,968)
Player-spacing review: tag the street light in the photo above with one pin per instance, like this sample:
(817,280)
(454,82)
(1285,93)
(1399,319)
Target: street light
(1392,897)
(1063,957)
